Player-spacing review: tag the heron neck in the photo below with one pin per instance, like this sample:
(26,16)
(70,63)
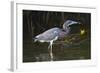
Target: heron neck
(67,29)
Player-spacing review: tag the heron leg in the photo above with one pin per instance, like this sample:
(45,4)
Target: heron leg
(51,54)
(49,46)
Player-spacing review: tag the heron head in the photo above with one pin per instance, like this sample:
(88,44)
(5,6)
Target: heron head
(69,22)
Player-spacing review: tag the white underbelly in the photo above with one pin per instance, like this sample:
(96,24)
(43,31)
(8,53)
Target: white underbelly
(49,40)
(55,38)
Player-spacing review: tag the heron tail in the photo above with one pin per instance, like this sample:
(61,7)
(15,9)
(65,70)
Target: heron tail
(35,39)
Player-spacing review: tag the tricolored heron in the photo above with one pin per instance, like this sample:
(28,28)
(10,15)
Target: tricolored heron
(53,34)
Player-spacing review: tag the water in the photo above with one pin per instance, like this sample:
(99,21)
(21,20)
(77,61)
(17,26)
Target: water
(62,50)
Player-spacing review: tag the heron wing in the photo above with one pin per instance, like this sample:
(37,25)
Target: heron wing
(50,34)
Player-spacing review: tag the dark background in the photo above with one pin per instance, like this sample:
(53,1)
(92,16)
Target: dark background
(73,47)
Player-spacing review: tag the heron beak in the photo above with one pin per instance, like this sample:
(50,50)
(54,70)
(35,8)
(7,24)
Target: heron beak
(74,22)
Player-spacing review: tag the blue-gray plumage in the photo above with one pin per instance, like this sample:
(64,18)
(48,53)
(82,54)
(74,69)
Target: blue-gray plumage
(54,33)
